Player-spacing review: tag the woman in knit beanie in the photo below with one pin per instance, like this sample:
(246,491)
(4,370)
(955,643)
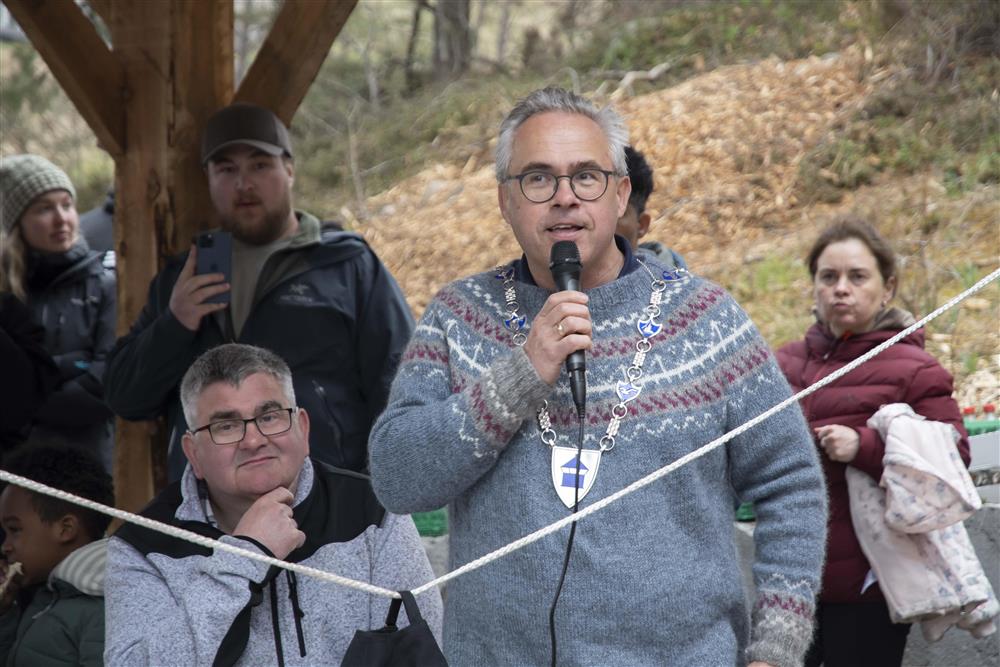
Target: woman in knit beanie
(46,264)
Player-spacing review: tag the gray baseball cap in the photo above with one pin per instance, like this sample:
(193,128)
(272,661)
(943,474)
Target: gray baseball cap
(247,124)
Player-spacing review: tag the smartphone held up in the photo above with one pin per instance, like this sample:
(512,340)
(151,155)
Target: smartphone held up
(215,255)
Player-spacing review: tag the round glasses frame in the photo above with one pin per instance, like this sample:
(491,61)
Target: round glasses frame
(575,181)
(282,424)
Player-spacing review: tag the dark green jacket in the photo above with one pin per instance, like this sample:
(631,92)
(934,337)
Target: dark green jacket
(58,624)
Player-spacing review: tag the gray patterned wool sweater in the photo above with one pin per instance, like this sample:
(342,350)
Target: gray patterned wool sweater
(654,578)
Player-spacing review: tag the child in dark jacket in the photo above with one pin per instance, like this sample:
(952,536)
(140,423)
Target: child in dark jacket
(52,605)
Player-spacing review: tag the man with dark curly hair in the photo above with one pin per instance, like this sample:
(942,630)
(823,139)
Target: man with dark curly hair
(634,222)
(52,605)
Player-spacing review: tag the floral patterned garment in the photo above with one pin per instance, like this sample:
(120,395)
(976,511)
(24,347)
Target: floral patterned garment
(910,527)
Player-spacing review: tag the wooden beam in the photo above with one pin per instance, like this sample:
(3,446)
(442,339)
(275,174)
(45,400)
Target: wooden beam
(177,59)
(292,54)
(102,8)
(202,46)
(140,34)
(80,61)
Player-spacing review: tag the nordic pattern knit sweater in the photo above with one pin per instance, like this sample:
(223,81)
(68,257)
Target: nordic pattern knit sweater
(654,578)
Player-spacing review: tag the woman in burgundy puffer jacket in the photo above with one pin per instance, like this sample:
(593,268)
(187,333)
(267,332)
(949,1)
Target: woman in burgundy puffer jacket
(854,278)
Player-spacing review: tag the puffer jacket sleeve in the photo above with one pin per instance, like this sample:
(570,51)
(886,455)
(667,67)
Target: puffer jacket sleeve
(104,335)
(8,633)
(791,359)
(929,393)
(79,399)
(29,371)
(91,647)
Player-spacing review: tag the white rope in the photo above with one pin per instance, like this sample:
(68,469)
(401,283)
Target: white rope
(188,536)
(705,449)
(524,541)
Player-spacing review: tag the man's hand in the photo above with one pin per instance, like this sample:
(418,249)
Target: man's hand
(187,300)
(269,521)
(841,443)
(758,663)
(562,326)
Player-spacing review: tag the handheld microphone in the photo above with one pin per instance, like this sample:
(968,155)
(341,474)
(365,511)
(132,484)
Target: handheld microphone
(564,263)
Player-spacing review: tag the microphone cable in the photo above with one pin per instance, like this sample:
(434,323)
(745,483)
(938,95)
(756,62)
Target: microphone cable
(580,411)
(564,263)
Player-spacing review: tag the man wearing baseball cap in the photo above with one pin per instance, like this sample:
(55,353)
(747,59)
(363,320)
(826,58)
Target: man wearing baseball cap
(320,299)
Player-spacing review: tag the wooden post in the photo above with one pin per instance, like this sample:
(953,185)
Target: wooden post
(177,59)
(142,45)
(202,84)
(292,54)
(95,89)
(146,99)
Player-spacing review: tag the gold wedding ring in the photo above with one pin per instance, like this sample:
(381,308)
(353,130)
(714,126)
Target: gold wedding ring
(559,328)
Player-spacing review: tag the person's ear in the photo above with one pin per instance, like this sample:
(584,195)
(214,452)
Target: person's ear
(622,192)
(502,201)
(644,219)
(303,418)
(190,448)
(66,528)
(890,288)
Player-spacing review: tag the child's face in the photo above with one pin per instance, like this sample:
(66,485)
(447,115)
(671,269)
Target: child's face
(29,540)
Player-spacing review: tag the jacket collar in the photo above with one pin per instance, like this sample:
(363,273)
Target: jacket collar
(46,269)
(888,323)
(83,569)
(309,230)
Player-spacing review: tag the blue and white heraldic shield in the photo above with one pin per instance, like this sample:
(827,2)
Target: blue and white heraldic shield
(564,472)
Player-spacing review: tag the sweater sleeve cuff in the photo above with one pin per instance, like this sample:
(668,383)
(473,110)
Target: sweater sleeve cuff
(518,386)
(871,450)
(782,627)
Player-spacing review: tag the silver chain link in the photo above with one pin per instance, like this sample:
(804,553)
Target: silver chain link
(513,320)
(627,391)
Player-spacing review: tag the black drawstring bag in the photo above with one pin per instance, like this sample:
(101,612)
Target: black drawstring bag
(413,646)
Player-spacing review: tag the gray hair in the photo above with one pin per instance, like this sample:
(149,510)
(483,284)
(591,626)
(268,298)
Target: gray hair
(558,99)
(231,363)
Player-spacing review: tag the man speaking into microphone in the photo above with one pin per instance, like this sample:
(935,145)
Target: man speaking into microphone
(481,418)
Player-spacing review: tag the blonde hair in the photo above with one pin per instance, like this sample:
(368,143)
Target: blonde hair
(12,263)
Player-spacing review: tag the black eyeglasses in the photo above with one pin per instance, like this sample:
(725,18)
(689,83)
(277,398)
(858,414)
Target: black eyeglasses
(541,186)
(229,431)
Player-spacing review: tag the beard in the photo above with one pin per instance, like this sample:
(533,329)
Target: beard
(260,232)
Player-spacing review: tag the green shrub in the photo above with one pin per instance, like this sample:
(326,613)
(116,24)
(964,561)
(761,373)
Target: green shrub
(835,165)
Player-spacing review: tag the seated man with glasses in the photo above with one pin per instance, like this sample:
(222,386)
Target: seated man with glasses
(249,482)
(481,415)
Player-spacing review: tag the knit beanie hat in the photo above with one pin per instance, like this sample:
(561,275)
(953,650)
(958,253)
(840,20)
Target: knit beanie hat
(24,177)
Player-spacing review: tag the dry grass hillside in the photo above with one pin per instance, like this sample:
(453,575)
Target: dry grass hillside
(726,148)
